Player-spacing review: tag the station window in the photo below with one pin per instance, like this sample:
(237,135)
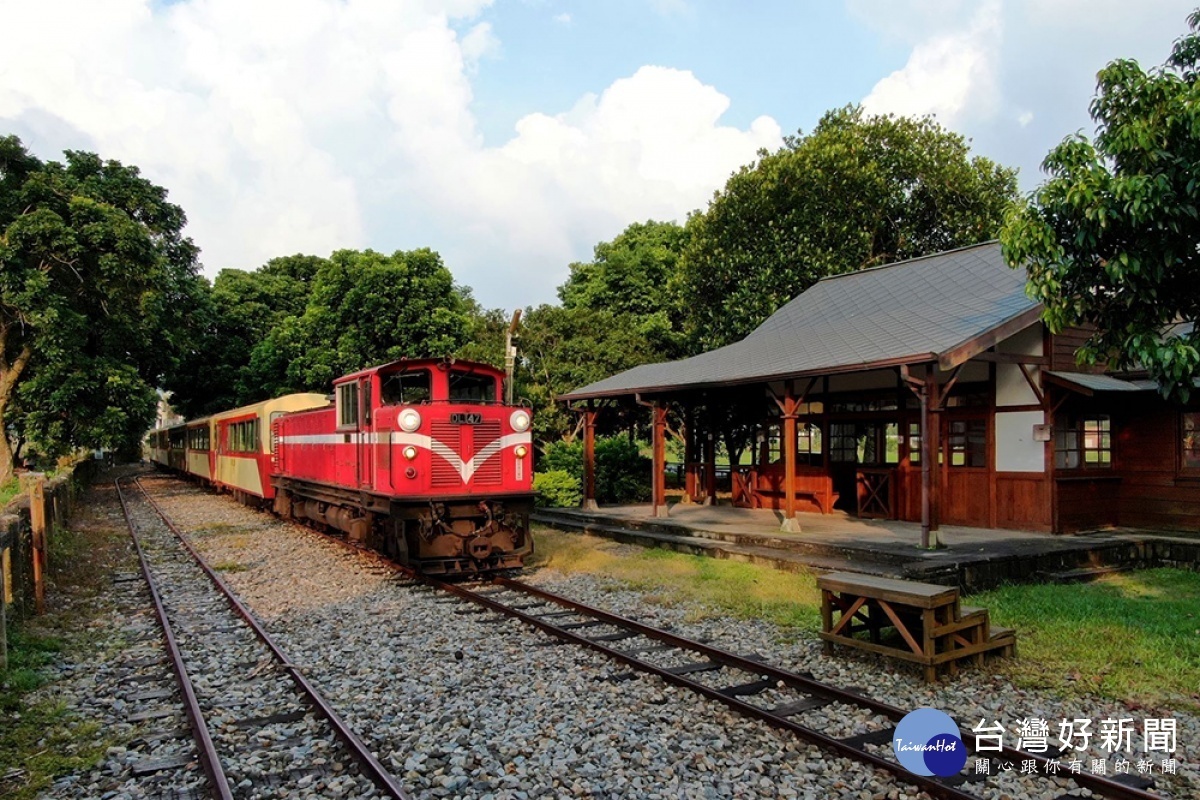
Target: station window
(968,443)
(1190,442)
(808,443)
(406,388)
(347,403)
(467,387)
(1084,442)
(914,443)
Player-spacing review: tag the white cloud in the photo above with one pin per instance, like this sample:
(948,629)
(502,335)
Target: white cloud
(308,125)
(948,74)
(563,18)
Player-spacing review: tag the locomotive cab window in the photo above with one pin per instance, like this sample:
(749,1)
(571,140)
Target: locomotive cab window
(466,387)
(347,405)
(406,388)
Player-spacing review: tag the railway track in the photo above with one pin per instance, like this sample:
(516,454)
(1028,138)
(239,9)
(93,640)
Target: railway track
(758,690)
(261,729)
(791,701)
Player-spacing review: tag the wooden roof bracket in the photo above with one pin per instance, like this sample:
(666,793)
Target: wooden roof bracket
(944,394)
(1037,390)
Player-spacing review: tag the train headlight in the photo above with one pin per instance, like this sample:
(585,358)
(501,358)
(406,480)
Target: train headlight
(521,451)
(410,452)
(519,420)
(410,419)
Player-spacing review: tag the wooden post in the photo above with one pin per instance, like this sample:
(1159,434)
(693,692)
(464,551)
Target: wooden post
(4,581)
(589,458)
(710,469)
(37,522)
(690,490)
(660,459)
(933,451)
(790,523)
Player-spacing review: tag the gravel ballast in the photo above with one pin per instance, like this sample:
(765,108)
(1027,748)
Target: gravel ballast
(462,705)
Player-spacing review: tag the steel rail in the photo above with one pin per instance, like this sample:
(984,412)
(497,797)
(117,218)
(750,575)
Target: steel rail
(375,770)
(804,683)
(210,762)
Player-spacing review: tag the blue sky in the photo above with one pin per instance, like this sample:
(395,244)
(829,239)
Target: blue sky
(513,135)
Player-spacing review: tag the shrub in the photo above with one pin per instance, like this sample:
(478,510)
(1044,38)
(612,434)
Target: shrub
(557,488)
(563,456)
(622,472)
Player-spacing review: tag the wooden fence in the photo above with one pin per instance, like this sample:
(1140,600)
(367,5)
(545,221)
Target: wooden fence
(27,525)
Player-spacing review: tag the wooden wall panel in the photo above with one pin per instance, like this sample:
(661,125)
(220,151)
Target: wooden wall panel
(1086,504)
(1153,493)
(1063,346)
(1022,501)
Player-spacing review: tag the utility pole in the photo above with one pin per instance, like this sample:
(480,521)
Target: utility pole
(510,356)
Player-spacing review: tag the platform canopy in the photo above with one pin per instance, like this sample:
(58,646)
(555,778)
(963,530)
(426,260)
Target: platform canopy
(943,308)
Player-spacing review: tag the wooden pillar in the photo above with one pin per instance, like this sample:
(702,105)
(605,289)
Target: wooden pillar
(659,493)
(710,468)
(932,433)
(589,458)
(690,459)
(790,523)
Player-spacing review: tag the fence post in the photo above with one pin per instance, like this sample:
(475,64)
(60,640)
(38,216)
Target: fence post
(5,578)
(36,483)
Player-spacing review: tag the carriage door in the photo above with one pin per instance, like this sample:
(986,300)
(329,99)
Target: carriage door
(366,440)
(966,498)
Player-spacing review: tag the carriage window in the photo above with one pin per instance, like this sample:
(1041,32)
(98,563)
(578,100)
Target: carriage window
(347,402)
(406,388)
(466,387)
(198,438)
(1190,442)
(1084,442)
(242,437)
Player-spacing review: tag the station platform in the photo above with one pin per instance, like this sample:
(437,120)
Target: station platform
(971,558)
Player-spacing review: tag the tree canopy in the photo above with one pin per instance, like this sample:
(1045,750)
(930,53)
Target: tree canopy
(1111,238)
(858,191)
(96,288)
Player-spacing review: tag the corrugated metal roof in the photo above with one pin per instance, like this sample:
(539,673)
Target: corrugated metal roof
(899,313)
(1090,382)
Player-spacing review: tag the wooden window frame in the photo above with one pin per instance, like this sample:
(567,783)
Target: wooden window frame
(1186,470)
(1078,428)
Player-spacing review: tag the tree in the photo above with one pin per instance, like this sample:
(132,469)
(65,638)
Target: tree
(1112,237)
(859,191)
(565,348)
(366,308)
(96,283)
(237,313)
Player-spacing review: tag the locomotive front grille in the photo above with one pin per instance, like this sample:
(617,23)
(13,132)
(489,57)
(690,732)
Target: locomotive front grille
(442,472)
(486,433)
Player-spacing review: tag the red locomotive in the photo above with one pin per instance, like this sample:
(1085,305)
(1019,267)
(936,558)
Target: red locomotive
(420,459)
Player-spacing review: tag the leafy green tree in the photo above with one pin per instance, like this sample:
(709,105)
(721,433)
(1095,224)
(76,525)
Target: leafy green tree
(96,287)
(234,316)
(858,191)
(1112,238)
(367,308)
(565,348)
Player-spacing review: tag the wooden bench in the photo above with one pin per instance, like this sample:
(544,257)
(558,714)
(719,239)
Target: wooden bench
(919,622)
(764,488)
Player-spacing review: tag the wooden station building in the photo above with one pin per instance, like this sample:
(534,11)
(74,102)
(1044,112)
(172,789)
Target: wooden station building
(926,390)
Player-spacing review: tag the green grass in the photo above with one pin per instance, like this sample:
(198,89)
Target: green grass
(713,586)
(8,491)
(229,566)
(40,739)
(1131,636)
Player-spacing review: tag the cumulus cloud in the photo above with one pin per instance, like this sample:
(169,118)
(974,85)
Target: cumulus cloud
(288,126)
(947,75)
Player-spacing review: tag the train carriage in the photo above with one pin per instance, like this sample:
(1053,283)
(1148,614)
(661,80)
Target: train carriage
(418,458)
